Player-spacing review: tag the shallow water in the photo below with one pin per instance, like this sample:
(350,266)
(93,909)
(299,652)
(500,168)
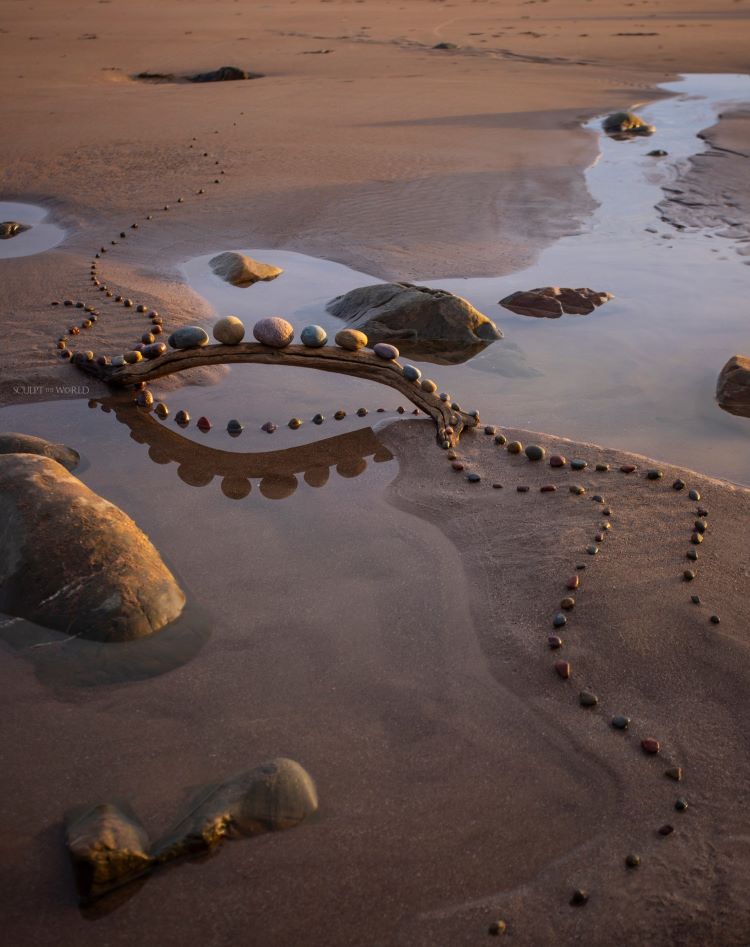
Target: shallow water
(637,374)
(42,234)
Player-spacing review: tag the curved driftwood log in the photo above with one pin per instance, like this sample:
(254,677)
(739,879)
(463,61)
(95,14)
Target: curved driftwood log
(362,364)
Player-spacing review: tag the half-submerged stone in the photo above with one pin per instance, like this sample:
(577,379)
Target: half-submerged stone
(550,302)
(108,849)
(733,386)
(13,443)
(623,125)
(225,74)
(11,228)
(274,796)
(240,270)
(390,312)
(74,562)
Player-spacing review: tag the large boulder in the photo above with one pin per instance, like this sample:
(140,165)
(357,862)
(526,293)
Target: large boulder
(12,443)
(74,562)
(389,312)
(242,270)
(550,302)
(733,386)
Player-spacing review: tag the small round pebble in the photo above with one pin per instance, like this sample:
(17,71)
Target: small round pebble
(473,478)
(587,699)
(522,489)
(688,575)
(490,429)
(555,642)
(428,385)
(597,498)
(681,804)
(314,337)
(715,620)
(568,603)
(411,372)
(620,722)
(182,417)
(579,897)
(548,488)
(694,495)
(274,332)
(679,484)
(695,599)
(535,452)
(592,550)
(650,745)
(235,427)
(318,419)
(602,468)
(628,468)
(295,423)
(573,582)
(654,474)
(497,928)
(203,424)
(515,447)
(700,526)
(269,427)
(578,464)
(386,351)
(339,415)
(576,489)
(351,339)
(696,539)
(132,357)
(161,410)
(559,620)
(361,412)
(692,554)
(632,861)
(188,337)
(666,830)
(557,460)
(562,669)
(144,399)
(501,439)
(229,331)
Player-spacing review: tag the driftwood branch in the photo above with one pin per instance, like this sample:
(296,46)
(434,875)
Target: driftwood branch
(362,364)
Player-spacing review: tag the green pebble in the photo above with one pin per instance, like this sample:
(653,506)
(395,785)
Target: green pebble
(578,464)
(501,439)
(535,452)
(602,468)
(577,489)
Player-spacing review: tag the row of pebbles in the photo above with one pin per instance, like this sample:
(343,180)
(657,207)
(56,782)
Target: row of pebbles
(571,585)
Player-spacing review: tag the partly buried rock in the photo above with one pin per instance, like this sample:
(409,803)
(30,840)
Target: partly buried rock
(242,270)
(276,795)
(108,849)
(733,386)
(550,302)
(626,125)
(74,562)
(403,311)
(225,74)
(12,443)
(11,228)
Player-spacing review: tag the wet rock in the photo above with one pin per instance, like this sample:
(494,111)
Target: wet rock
(415,314)
(229,331)
(733,386)
(515,447)
(522,489)
(154,350)
(107,847)
(650,745)
(318,418)
(182,417)
(559,620)
(688,575)
(620,722)
(115,587)
(696,538)
(557,460)
(274,332)
(692,554)
(11,228)
(314,337)
(592,550)
(144,399)
(133,357)
(445,45)
(535,452)
(490,429)
(235,427)
(269,427)
(551,302)
(273,797)
(203,424)
(162,410)
(295,423)
(624,125)
(225,74)
(386,351)
(242,271)
(657,153)
(13,443)
(188,337)
(351,339)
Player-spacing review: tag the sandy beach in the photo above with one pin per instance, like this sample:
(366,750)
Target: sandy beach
(355,601)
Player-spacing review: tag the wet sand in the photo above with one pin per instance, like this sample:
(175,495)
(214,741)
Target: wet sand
(389,629)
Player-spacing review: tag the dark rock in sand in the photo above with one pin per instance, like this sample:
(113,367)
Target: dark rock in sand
(624,125)
(225,74)
(74,562)
(12,443)
(405,313)
(108,848)
(733,386)
(550,302)
(243,271)
(275,796)
(11,228)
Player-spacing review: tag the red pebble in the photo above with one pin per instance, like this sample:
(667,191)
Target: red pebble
(599,537)
(573,582)
(649,745)
(563,669)
(555,642)
(548,488)
(204,424)
(457,465)
(557,460)
(628,468)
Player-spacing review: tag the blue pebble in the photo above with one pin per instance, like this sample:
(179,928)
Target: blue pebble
(314,337)
(578,464)
(559,620)
(412,373)
(473,478)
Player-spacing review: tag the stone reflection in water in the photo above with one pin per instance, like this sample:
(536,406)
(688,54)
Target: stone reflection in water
(61,661)
(438,351)
(278,471)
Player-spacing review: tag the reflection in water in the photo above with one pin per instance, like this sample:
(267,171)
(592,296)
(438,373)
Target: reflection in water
(62,661)
(437,351)
(277,470)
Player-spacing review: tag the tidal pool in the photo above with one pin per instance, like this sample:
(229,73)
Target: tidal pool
(41,234)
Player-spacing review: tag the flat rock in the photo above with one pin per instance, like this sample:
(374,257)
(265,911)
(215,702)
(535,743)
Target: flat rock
(13,443)
(733,386)
(240,270)
(74,562)
(551,302)
(187,337)
(225,74)
(403,312)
